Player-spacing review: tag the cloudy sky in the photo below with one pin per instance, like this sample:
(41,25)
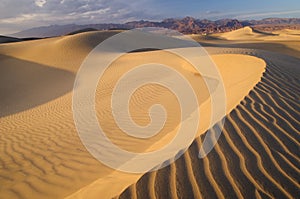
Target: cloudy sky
(16,15)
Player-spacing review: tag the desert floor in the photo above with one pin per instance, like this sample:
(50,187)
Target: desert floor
(257,155)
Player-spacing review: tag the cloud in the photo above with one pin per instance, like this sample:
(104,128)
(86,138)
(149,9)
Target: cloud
(26,14)
(40,3)
(267,14)
(19,19)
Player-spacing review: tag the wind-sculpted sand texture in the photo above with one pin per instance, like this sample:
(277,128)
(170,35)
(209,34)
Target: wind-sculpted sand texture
(43,157)
(257,155)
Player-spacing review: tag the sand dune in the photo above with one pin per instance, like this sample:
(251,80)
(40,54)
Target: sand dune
(42,156)
(236,88)
(248,33)
(258,153)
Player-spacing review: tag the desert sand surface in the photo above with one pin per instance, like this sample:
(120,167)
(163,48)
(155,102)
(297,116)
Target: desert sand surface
(43,157)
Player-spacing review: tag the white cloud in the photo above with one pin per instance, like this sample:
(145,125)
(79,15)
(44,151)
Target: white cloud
(19,19)
(94,12)
(40,3)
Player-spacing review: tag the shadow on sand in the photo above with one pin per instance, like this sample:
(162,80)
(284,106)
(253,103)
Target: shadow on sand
(25,84)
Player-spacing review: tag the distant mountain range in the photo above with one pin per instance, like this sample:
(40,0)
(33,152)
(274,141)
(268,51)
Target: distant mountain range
(187,25)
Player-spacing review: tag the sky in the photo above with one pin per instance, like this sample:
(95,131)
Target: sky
(17,15)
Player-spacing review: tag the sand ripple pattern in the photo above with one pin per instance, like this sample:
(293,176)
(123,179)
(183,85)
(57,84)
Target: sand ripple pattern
(257,155)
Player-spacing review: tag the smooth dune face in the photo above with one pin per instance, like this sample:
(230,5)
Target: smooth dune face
(146,96)
(238,82)
(43,157)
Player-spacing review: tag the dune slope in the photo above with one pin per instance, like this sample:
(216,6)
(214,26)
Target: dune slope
(257,155)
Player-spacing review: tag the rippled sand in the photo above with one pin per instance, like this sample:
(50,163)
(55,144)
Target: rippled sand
(43,157)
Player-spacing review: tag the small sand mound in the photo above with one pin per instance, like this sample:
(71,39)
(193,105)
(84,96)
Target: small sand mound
(240,34)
